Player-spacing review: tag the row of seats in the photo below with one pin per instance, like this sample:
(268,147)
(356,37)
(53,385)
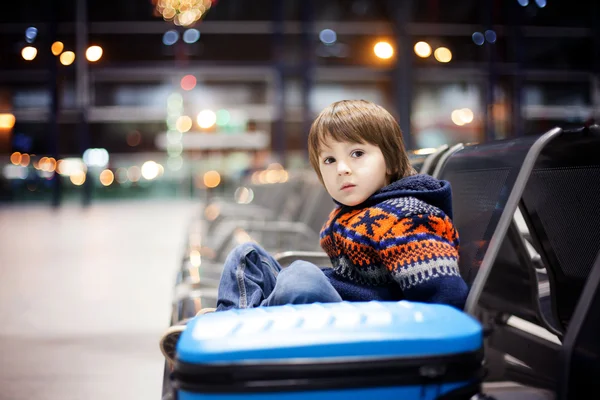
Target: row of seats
(525,210)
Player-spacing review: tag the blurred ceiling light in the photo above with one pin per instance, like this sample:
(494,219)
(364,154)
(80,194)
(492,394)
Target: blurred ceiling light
(212,179)
(67,58)
(25,160)
(328,36)
(57,48)
(206,119)
(7,121)
(188,82)
(134,173)
(78,178)
(121,175)
(15,158)
(175,163)
(467,115)
(523,3)
(174,149)
(175,100)
(182,13)
(423,49)
(93,53)
(174,136)
(14,172)
(383,50)
(150,170)
(223,117)
(462,117)
(183,124)
(30,34)
(96,157)
(490,36)
(478,38)
(28,53)
(442,54)
(541,3)
(191,36)
(70,166)
(170,37)
(107,177)
(243,195)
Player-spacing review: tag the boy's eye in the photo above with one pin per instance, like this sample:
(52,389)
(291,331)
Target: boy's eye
(358,153)
(328,160)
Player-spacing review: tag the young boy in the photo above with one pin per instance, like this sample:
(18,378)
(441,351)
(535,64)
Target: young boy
(390,237)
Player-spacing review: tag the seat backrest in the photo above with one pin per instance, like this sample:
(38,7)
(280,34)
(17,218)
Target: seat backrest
(432,159)
(416,160)
(323,206)
(482,177)
(560,207)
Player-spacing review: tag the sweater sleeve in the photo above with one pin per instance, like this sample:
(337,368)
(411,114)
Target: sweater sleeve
(421,253)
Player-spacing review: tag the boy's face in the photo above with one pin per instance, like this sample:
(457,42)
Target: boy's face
(352,171)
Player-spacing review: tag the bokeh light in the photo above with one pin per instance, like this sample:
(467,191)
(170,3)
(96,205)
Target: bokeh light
(206,119)
(422,49)
(67,58)
(57,48)
(28,53)
(443,54)
(183,13)
(212,179)
(191,36)
(170,37)
(328,36)
(31,34)
(7,121)
(188,82)
(383,50)
(183,124)
(93,53)
(107,177)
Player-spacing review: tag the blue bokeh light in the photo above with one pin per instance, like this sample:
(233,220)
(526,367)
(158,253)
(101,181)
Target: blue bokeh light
(328,36)
(478,38)
(490,36)
(170,37)
(31,34)
(191,36)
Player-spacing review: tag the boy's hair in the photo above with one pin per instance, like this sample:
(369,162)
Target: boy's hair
(360,121)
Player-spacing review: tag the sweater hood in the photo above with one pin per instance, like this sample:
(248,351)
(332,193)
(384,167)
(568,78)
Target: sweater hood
(437,193)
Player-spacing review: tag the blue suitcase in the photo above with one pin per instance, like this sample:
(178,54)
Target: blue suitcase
(367,350)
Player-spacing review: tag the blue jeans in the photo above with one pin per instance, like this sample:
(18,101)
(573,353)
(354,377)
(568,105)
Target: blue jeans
(252,278)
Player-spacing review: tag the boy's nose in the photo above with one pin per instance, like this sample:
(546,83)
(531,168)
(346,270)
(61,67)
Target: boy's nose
(343,169)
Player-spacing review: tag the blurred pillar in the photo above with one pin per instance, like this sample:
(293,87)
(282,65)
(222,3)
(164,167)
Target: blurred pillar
(82,86)
(490,49)
(278,135)
(517,92)
(55,84)
(308,68)
(402,75)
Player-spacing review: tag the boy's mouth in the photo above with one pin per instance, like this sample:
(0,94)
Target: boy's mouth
(347,186)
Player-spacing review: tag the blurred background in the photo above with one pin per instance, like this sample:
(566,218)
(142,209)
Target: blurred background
(161,99)
(120,118)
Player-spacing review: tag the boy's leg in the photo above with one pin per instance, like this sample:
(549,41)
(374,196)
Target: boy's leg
(302,283)
(249,277)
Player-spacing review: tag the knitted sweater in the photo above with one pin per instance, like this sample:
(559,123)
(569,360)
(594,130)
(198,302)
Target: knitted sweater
(400,243)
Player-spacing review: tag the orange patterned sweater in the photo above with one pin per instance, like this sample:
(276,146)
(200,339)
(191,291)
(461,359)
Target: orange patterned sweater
(402,235)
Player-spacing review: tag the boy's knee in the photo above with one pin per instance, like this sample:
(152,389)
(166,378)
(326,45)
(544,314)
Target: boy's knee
(242,251)
(302,282)
(304,271)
